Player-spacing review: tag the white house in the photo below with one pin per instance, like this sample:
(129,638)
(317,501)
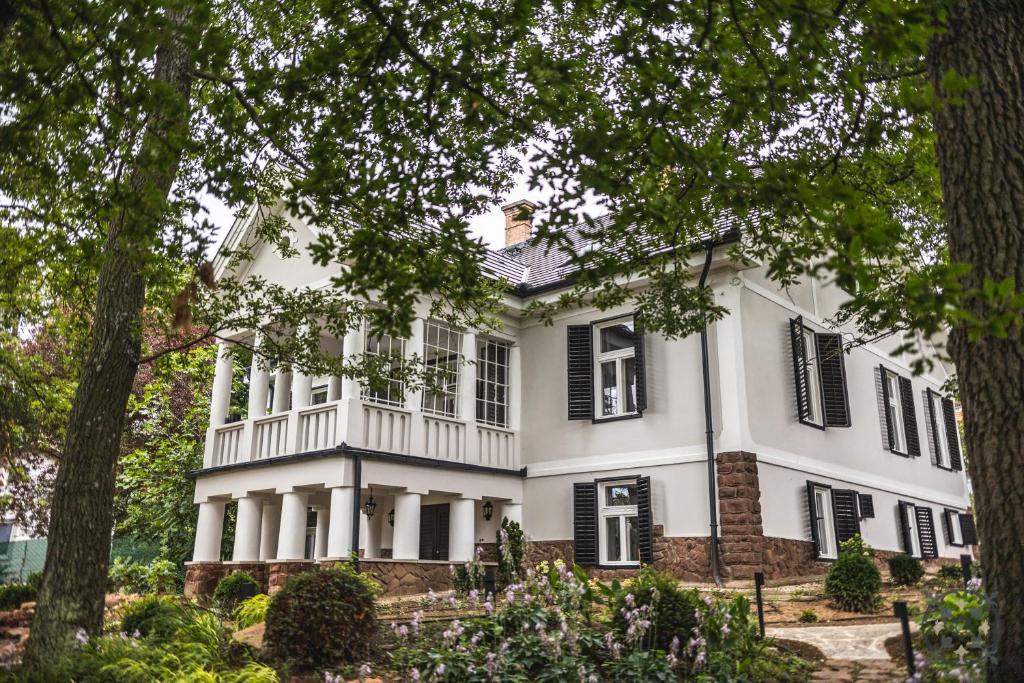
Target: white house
(594,436)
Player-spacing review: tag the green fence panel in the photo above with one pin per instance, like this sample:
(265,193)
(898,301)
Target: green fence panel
(18,559)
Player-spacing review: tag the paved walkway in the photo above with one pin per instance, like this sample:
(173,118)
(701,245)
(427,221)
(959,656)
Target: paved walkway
(854,653)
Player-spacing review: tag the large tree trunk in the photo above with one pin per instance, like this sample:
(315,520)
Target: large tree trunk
(981,159)
(74,581)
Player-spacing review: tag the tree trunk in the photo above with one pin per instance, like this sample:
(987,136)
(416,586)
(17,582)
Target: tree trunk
(980,143)
(71,596)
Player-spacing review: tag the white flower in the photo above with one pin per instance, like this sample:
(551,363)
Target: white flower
(81,636)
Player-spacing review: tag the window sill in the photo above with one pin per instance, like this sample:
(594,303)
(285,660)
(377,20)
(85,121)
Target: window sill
(617,418)
(624,565)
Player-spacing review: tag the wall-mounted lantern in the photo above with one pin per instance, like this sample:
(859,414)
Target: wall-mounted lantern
(488,510)
(371,506)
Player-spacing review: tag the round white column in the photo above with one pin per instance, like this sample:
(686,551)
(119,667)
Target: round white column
(407,527)
(352,346)
(209,529)
(220,400)
(467,382)
(514,512)
(247,530)
(461,529)
(269,528)
(259,382)
(333,388)
(371,544)
(339,531)
(282,389)
(414,347)
(291,543)
(323,520)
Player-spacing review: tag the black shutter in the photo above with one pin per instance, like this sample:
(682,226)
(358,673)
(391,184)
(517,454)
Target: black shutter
(844,505)
(833,379)
(581,373)
(904,510)
(645,521)
(909,417)
(885,407)
(585,523)
(796,335)
(866,505)
(952,434)
(812,514)
(948,520)
(967,529)
(926,532)
(641,370)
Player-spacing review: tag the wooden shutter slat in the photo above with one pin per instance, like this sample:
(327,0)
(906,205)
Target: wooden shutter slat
(952,434)
(833,379)
(947,526)
(933,426)
(926,531)
(908,547)
(812,513)
(645,521)
(580,372)
(885,407)
(641,370)
(967,529)
(844,506)
(796,335)
(585,523)
(909,417)
(866,505)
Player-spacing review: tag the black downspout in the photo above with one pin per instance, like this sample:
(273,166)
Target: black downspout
(709,432)
(357,486)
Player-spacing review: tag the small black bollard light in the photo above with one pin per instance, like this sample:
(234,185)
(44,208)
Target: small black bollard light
(965,565)
(489,586)
(246,590)
(758,583)
(900,609)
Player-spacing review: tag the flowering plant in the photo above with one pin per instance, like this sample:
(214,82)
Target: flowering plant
(954,636)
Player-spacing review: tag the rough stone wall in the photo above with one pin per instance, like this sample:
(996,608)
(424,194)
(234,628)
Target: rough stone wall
(741,535)
(784,558)
(201,578)
(279,572)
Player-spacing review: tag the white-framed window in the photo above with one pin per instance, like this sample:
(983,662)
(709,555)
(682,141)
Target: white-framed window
(442,355)
(812,375)
(913,534)
(956,535)
(824,521)
(615,368)
(942,458)
(318,395)
(894,412)
(619,525)
(492,382)
(389,351)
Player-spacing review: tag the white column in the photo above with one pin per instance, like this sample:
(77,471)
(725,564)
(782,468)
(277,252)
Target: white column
(339,531)
(302,383)
(387,531)
(514,512)
(270,530)
(282,388)
(291,543)
(323,520)
(259,382)
(353,345)
(414,346)
(209,529)
(371,543)
(467,381)
(407,527)
(333,388)
(247,530)
(515,388)
(461,530)
(220,400)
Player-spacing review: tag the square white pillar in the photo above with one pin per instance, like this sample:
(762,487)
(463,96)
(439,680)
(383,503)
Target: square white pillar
(209,529)
(467,382)
(461,529)
(269,530)
(407,527)
(247,530)
(291,543)
(339,530)
(414,347)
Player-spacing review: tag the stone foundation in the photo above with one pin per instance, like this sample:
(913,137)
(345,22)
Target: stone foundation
(280,571)
(787,558)
(201,578)
(741,534)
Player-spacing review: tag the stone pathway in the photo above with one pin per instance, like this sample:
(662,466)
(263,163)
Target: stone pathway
(853,653)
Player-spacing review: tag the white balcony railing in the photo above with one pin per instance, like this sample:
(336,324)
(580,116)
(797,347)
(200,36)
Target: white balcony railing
(364,425)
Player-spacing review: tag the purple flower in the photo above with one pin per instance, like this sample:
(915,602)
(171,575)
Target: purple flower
(81,636)
(488,607)
(414,674)
(439,671)
(365,670)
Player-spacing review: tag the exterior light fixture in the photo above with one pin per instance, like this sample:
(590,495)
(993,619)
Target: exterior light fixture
(370,506)
(488,510)
(391,517)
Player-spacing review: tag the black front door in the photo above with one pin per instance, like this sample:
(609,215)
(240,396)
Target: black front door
(434,532)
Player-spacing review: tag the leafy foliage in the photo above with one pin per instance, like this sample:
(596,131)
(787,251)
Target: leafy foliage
(469,576)
(510,553)
(126,576)
(252,611)
(954,635)
(673,610)
(229,591)
(159,616)
(854,582)
(808,616)
(321,618)
(14,594)
(905,570)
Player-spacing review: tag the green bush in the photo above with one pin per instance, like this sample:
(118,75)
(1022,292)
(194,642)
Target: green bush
(808,616)
(252,611)
(159,616)
(853,582)
(905,570)
(35,580)
(229,591)
(322,618)
(673,610)
(13,595)
(470,576)
(954,635)
(162,576)
(510,553)
(126,576)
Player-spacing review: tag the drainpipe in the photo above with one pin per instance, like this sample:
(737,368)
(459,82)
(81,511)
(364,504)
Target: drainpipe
(357,485)
(709,433)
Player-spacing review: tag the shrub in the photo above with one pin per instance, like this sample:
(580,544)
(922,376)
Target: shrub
(673,609)
(162,576)
(159,616)
(510,553)
(125,576)
(13,595)
(35,580)
(232,589)
(954,635)
(470,576)
(808,616)
(905,570)
(252,611)
(321,618)
(853,582)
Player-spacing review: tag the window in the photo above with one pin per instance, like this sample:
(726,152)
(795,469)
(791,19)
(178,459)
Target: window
(387,356)
(442,355)
(492,383)
(899,414)
(912,544)
(318,396)
(619,526)
(945,435)
(954,532)
(894,414)
(606,370)
(823,528)
(615,366)
(820,374)
(918,530)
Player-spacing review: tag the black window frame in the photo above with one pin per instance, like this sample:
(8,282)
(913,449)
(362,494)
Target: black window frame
(801,375)
(810,486)
(591,518)
(585,379)
(908,408)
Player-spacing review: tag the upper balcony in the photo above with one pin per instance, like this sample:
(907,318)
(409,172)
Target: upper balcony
(288,420)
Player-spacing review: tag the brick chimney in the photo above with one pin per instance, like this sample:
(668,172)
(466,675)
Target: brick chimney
(518,221)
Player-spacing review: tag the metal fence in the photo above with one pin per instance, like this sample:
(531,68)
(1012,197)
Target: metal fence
(18,559)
